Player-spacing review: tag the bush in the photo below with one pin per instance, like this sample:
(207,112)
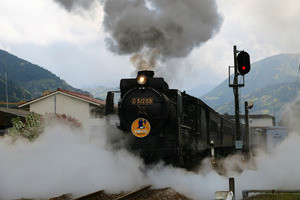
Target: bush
(30,129)
(34,125)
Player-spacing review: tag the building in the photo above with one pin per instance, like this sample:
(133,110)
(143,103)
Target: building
(261,121)
(275,135)
(82,107)
(256,121)
(7,114)
(264,132)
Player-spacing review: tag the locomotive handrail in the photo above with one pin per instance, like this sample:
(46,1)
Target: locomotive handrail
(187,127)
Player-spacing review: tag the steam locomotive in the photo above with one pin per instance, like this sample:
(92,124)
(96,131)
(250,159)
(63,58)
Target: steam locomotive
(170,125)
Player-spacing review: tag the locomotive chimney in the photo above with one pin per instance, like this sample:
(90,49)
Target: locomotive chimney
(147,73)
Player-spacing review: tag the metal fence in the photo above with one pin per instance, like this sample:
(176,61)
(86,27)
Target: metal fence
(246,192)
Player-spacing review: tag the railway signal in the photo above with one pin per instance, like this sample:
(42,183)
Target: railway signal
(241,67)
(243,62)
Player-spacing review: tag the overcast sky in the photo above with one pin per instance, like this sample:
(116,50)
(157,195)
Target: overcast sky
(71,42)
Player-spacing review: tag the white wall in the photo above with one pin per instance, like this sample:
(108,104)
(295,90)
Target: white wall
(67,105)
(261,122)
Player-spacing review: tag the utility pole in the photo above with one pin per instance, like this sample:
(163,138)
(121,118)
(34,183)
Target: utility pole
(5,77)
(6,90)
(236,97)
(247,127)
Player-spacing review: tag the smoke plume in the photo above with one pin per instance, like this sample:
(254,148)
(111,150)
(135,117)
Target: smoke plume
(75,4)
(146,60)
(173,28)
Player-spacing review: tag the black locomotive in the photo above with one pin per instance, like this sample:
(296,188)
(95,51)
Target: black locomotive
(170,125)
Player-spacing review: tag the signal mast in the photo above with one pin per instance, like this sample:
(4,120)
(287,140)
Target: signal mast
(241,67)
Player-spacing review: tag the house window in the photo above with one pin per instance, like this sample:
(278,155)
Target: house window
(96,111)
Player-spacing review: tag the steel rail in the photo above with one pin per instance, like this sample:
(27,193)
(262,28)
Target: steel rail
(90,196)
(134,193)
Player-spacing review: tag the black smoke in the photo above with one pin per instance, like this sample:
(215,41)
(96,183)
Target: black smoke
(71,5)
(173,27)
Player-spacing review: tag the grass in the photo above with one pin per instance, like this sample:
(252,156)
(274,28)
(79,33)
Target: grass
(279,196)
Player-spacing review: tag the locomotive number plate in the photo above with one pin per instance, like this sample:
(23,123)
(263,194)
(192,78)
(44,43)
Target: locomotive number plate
(142,101)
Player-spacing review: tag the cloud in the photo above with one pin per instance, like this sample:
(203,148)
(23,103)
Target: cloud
(262,28)
(43,23)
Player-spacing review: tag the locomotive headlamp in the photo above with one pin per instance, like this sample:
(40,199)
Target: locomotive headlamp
(141,79)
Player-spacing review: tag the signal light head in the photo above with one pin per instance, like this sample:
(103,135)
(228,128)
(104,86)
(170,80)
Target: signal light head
(243,62)
(142,79)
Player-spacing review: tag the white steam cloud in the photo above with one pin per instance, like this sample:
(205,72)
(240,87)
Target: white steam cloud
(64,161)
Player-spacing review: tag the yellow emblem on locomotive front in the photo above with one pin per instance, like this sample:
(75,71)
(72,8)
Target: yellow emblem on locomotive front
(140,127)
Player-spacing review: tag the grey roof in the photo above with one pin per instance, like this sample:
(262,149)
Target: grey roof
(17,112)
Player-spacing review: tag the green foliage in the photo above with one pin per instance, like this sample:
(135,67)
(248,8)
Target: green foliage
(15,93)
(30,129)
(276,196)
(34,125)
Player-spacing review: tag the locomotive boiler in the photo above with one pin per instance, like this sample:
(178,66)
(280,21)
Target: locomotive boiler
(169,125)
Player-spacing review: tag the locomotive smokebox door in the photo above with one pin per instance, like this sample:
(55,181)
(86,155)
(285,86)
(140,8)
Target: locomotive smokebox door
(147,104)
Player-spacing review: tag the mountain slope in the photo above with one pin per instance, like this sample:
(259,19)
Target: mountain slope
(27,80)
(270,84)
(15,93)
(100,92)
(268,100)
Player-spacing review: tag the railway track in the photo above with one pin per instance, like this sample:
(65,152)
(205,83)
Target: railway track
(134,194)
(101,195)
(95,195)
(144,193)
